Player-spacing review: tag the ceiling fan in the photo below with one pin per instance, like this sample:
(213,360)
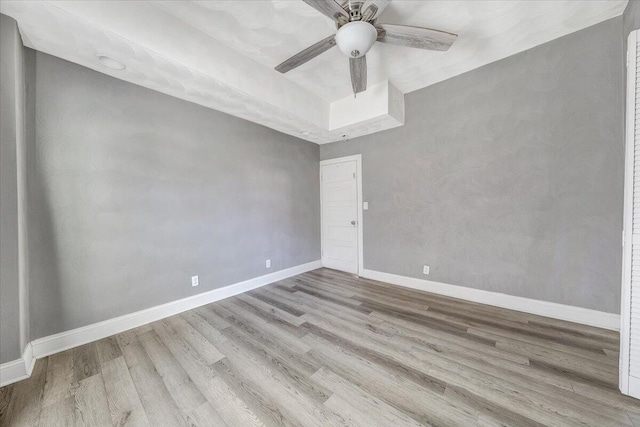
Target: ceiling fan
(358,31)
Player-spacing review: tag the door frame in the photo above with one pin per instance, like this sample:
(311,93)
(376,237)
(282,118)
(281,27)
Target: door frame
(358,159)
(627,227)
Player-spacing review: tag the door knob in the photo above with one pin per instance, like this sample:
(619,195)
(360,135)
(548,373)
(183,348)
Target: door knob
(353,223)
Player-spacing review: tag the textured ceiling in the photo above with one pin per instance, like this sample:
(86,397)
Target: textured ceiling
(271,31)
(221,54)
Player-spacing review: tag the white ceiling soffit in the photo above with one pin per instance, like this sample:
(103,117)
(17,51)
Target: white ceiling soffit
(221,54)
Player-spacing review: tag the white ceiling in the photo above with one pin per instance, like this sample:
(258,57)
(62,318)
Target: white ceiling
(221,54)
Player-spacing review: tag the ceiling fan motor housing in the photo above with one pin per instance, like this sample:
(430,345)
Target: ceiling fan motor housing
(356,38)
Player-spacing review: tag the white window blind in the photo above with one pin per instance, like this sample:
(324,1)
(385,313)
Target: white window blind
(630,310)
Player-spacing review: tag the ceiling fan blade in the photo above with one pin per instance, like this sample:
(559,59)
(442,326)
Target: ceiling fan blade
(307,54)
(371,9)
(421,38)
(330,8)
(358,68)
(355,3)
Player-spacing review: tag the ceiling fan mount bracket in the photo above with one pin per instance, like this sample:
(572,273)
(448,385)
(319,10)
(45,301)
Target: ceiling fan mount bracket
(353,10)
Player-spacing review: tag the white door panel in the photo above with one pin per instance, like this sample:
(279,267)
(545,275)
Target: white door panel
(340,216)
(630,310)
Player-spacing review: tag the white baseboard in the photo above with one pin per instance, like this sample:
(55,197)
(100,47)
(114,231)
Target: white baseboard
(19,369)
(16,370)
(29,359)
(63,341)
(13,371)
(569,313)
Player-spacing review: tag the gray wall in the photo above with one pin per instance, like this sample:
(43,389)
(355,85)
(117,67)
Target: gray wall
(132,192)
(11,141)
(508,178)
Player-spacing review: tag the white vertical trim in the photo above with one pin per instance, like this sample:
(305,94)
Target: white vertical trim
(23,223)
(358,160)
(360,216)
(627,233)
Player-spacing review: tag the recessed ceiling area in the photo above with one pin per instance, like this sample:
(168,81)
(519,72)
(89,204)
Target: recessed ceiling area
(222,54)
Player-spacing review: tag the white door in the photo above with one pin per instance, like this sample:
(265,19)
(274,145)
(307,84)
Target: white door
(630,310)
(339,187)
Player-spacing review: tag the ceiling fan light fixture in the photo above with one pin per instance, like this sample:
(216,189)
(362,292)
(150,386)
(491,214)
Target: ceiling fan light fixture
(356,38)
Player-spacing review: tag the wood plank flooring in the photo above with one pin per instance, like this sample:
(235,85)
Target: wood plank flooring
(325,348)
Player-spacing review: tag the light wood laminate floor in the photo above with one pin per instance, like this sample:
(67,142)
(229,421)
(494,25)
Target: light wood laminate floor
(326,348)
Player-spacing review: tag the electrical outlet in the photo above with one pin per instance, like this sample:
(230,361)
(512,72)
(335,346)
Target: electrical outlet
(268,263)
(365,206)
(425,269)
(194,281)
